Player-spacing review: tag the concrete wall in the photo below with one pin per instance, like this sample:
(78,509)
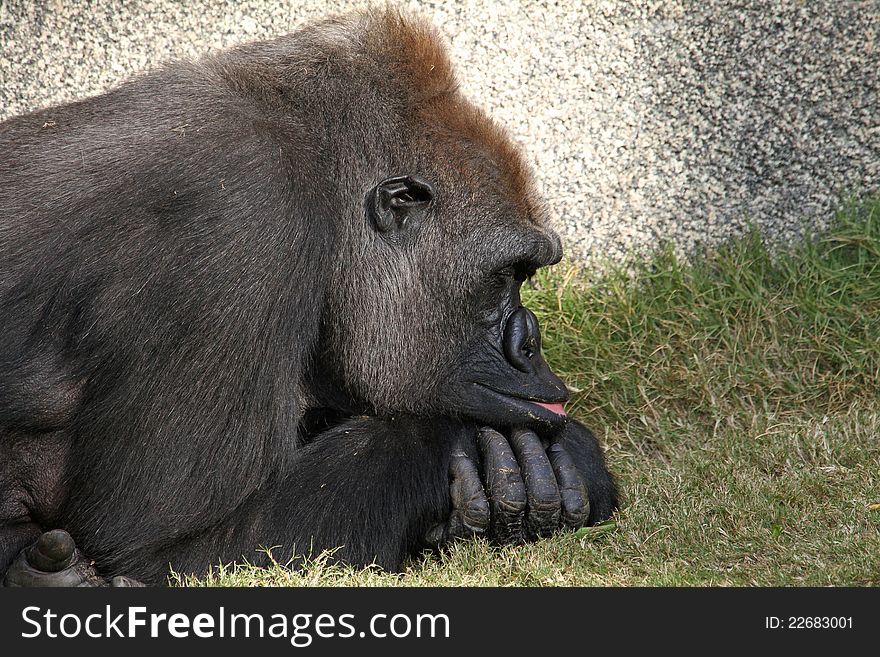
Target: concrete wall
(647,120)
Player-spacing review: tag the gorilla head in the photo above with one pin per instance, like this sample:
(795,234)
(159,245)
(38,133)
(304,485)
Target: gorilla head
(438,228)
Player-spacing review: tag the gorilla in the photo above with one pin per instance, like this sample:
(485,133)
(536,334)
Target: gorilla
(272,298)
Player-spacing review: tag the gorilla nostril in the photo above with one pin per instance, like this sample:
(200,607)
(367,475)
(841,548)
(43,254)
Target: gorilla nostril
(521,339)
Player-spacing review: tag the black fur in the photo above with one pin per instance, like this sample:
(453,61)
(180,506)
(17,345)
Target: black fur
(192,302)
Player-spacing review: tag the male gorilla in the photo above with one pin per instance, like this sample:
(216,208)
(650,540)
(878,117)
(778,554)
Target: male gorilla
(272,298)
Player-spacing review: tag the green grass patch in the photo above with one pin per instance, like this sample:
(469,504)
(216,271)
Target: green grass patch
(738,399)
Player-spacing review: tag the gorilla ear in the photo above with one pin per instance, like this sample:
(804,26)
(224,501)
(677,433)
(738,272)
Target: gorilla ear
(398,202)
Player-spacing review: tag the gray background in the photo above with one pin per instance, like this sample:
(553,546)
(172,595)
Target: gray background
(646,120)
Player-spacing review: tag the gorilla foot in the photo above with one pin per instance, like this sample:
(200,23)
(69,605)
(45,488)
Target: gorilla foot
(55,561)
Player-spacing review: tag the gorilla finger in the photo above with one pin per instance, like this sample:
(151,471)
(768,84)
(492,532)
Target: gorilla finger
(469,515)
(470,508)
(504,485)
(572,487)
(584,449)
(544,504)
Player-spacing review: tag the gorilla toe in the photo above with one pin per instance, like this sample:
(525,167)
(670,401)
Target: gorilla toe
(53,561)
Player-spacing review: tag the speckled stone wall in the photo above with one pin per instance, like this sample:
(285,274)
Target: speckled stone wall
(647,120)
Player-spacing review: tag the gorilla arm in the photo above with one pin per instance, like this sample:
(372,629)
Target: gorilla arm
(375,491)
(368,490)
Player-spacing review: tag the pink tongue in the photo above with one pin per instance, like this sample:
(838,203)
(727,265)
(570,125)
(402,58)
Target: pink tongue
(557,408)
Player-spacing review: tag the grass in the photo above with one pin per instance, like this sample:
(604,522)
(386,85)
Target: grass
(739,402)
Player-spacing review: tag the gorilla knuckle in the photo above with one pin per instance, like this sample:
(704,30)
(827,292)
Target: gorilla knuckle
(506,506)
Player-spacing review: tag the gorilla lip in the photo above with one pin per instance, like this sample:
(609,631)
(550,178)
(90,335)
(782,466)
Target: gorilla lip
(557,408)
(554,408)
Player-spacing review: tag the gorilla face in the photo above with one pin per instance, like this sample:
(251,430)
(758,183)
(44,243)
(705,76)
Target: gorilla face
(439,227)
(497,373)
(450,257)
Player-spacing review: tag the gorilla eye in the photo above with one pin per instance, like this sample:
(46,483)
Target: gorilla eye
(520,271)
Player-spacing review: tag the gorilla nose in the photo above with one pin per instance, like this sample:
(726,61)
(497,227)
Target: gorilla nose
(522,341)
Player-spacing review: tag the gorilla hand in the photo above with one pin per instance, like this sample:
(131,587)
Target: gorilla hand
(530,486)
(55,561)
(533,485)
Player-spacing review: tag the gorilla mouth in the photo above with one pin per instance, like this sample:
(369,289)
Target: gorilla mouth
(552,410)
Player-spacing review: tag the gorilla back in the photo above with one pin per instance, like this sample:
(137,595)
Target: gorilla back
(266,298)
